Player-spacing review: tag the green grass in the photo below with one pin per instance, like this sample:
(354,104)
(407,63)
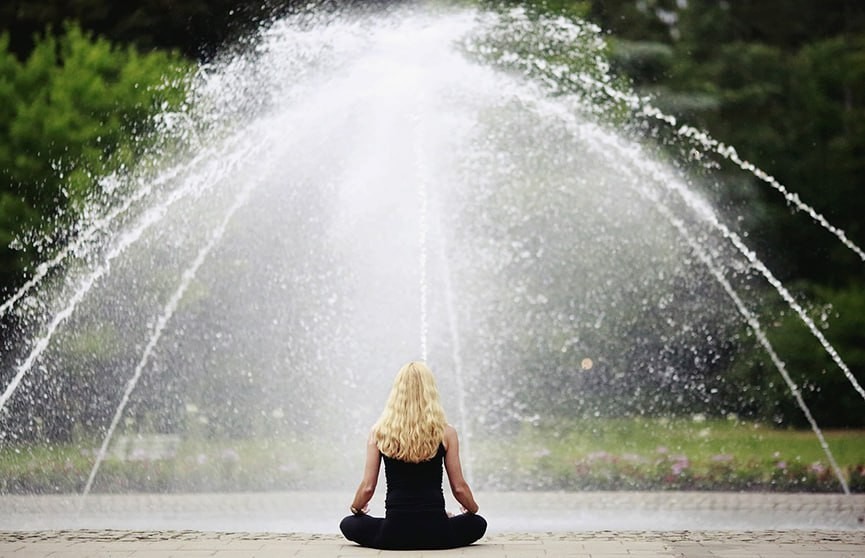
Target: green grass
(192,466)
(660,454)
(619,454)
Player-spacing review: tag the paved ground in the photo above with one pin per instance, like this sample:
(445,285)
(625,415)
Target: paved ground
(522,525)
(506,512)
(193,544)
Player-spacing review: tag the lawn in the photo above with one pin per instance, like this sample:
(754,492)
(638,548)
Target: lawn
(597,454)
(658,454)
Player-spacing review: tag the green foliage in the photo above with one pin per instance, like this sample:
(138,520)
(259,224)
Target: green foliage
(77,108)
(824,387)
(147,463)
(664,454)
(194,27)
(568,455)
(641,61)
(856,475)
(790,98)
(572,9)
(551,43)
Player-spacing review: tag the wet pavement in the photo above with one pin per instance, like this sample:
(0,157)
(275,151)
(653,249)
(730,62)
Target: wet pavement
(320,512)
(584,524)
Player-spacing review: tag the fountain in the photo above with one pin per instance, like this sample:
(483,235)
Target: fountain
(348,192)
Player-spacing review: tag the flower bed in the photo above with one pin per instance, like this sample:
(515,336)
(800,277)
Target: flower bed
(669,471)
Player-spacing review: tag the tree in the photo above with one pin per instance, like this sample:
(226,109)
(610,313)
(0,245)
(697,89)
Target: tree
(790,98)
(75,109)
(199,29)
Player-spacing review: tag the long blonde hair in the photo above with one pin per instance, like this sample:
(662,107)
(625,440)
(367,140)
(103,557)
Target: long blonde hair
(412,425)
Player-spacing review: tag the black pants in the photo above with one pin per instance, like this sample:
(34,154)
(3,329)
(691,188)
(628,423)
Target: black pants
(414,530)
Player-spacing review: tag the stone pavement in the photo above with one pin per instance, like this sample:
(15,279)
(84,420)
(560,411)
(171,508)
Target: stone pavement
(609,544)
(506,512)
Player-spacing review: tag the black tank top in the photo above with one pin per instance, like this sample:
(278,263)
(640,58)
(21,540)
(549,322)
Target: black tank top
(414,487)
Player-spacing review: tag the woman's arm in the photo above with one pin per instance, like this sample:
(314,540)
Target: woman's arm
(370,477)
(459,486)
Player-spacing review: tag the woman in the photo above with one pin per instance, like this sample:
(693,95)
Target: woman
(413,439)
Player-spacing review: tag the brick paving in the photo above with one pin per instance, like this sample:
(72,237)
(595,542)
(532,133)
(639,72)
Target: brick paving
(522,525)
(602,544)
(506,512)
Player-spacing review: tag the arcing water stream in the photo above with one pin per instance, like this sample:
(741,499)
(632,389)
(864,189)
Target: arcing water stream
(358,190)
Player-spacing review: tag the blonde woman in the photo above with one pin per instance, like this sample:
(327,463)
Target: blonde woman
(413,439)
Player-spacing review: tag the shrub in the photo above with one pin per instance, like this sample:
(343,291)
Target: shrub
(78,107)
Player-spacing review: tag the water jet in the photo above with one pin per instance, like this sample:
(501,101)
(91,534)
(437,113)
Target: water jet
(359,190)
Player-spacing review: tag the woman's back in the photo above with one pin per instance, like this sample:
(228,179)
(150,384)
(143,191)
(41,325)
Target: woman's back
(414,486)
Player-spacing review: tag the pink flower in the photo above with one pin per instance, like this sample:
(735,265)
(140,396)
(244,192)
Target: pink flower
(680,464)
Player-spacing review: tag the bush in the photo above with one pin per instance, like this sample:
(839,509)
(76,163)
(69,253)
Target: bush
(856,478)
(77,108)
(760,391)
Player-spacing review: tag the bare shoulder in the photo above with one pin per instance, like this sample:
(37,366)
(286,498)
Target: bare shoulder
(450,436)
